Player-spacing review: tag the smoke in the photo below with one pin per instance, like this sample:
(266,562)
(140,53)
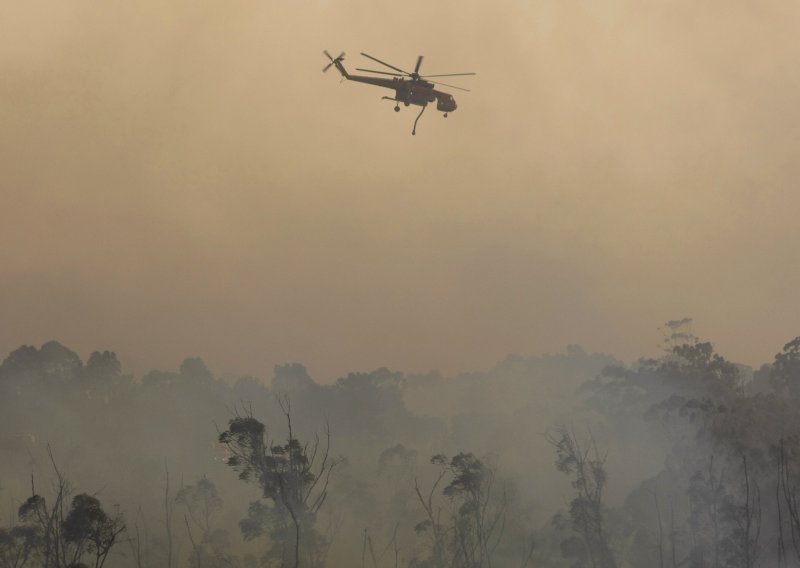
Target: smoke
(399,446)
(186,169)
(180,178)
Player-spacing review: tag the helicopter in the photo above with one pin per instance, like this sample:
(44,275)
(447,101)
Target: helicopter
(409,88)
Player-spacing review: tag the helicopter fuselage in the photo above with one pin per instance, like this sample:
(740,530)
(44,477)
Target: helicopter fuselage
(409,88)
(409,92)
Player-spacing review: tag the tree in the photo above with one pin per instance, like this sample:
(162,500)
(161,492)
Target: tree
(102,375)
(17,545)
(61,540)
(46,522)
(91,530)
(474,520)
(708,497)
(586,512)
(293,478)
(202,503)
(785,375)
(194,367)
(743,515)
(61,536)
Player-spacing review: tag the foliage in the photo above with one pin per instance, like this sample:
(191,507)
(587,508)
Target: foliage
(293,478)
(90,529)
(467,528)
(61,538)
(17,545)
(785,375)
(587,469)
(705,468)
(211,548)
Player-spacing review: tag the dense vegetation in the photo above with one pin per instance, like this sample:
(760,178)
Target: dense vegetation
(569,460)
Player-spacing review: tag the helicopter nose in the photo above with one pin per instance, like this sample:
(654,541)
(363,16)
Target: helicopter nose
(446,104)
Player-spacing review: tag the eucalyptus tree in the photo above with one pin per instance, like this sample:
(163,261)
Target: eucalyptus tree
(293,477)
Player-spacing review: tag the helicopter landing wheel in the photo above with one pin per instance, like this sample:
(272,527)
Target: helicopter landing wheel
(397,108)
(445,115)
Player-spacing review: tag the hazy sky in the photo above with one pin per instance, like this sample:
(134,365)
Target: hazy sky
(177,178)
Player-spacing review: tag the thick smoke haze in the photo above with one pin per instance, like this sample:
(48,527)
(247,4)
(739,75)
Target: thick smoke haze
(248,321)
(178,178)
(566,460)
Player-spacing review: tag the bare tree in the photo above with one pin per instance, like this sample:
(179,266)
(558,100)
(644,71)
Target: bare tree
(138,539)
(745,518)
(377,558)
(788,491)
(169,511)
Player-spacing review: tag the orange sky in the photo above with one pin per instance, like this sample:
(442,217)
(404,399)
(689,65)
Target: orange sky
(179,179)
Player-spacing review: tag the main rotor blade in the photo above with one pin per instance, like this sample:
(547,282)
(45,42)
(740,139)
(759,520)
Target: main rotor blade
(328,66)
(381,72)
(325,51)
(448,75)
(384,63)
(419,62)
(452,86)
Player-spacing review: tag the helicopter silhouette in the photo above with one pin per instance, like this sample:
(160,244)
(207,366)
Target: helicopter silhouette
(409,88)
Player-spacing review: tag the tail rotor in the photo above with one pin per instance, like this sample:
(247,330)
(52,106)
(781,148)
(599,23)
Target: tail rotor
(333,60)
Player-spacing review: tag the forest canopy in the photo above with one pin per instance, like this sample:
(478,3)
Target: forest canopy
(570,459)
